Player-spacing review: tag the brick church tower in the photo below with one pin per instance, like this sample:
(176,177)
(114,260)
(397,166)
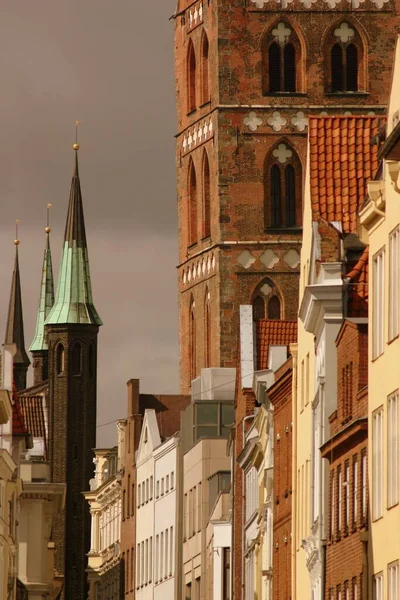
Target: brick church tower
(248,74)
(71,338)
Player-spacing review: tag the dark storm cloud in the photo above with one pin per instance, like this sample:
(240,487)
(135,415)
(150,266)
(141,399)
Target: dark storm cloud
(110,65)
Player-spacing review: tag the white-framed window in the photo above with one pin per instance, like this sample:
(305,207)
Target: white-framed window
(138,566)
(355,490)
(172,480)
(339,495)
(151,487)
(347,495)
(394,283)
(364,486)
(162,556)
(377,586)
(333,493)
(302,386)
(393,581)
(171,550)
(157,559)
(151,559)
(146,563)
(249,576)
(377,463)
(251,493)
(354,588)
(316,464)
(167,484)
(378,304)
(393,450)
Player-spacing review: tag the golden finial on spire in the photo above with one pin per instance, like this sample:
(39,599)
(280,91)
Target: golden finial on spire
(76,146)
(16,241)
(48,228)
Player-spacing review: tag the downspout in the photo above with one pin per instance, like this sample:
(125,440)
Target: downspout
(293,351)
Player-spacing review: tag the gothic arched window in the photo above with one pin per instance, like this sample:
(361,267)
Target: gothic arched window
(207,330)
(192,340)
(76,359)
(345,59)
(191,78)
(282,188)
(60,359)
(266,301)
(281,61)
(91,361)
(206,197)
(192,193)
(205,84)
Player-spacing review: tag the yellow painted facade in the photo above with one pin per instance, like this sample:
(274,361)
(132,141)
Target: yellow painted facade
(378,219)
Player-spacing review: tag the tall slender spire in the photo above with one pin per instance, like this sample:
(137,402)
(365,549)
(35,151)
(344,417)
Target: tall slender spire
(46,295)
(15,325)
(74,300)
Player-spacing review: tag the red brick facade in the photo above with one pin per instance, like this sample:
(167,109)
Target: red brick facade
(280,396)
(346,451)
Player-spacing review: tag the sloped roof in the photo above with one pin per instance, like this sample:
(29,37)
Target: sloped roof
(18,424)
(33,412)
(273,333)
(342,160)
(358,287)
(168,409)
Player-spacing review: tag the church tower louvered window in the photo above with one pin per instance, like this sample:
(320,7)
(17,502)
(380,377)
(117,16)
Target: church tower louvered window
(345,60)
(282,188)
(281,61)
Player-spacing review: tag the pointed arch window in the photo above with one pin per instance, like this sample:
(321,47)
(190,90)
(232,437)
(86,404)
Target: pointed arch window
(207,330)
(205,73)
(191,78)
(76,359)
(266,302)
(60,359)
(282,68)
(91,361)
(192,184)
(345,59)
(206,197)
(192,340)
(282,188)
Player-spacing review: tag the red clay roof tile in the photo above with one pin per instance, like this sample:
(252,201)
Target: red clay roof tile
(273,333)
(358,287)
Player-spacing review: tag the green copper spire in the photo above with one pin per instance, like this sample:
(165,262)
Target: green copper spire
(74,301)
(46,298)
(15,320)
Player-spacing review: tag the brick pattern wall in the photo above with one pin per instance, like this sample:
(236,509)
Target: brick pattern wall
(280,396)
(72,437)
(346,549)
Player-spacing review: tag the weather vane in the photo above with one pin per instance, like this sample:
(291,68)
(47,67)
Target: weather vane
(48,229)
(76,145)
(16,241)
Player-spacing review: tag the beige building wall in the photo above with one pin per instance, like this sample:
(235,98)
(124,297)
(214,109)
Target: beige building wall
(378,219)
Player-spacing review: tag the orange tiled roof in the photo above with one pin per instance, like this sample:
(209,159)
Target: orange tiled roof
(273,333)
(358,287)
(342,160)
(18,425)
(33,411)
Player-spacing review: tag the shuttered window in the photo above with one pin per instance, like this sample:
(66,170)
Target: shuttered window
(276,197)
(289,68)
(290,193)
(274,68)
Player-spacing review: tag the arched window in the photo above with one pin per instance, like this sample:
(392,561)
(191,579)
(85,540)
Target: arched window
(274,308)
(282,188)
(207,330)
(192,340)
(191,78)
(206,197)
(205,84)
(266,301)
(60,359)
(345,59)
(91,361)
(192,204)
(282,68)
(76,359)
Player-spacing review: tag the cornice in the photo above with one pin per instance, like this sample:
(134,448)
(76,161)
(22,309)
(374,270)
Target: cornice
(323,301)
(7,464)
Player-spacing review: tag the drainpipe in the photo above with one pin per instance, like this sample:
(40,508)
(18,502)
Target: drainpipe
(323,578)
(293,351)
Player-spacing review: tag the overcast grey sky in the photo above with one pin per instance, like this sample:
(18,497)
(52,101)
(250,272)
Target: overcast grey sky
(109,64)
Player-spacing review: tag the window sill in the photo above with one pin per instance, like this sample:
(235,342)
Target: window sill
(192,246)
(346,94)
(285,94)
(374,358)
(191,112)
(206,238)
(392,506)
(206,103)
(280,230)
(396,337)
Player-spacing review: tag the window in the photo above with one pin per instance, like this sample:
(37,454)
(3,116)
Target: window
(355,491)
(146,563)
(197,583)
(205,88)
(377,587)
(266,301)
(162,556)
(128,507)
(76,359)
(191,78)
(274,308)
(158,489)
(339,592)
(346,486)
(345,59)
(316,464)
(378,304)
(199,503)
(339,497)
(282,188)
(206,197)
(192,204)
(258,308)
(249,576)
(281,53)
(226,574)
(393,450)
(166,554)
(156,571)
(207,332)
(192,341)
(354,589)
(364,486)
(394,283)
(172,480)
(188,591)
(393,581)
(60,359)
(137,566)
(151,560)
(171,550)
(151,487)
(251,493)
(332,505)
(377,463)
(162,486)
(213,419)
(347,390)
(147,490)
(91,361)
